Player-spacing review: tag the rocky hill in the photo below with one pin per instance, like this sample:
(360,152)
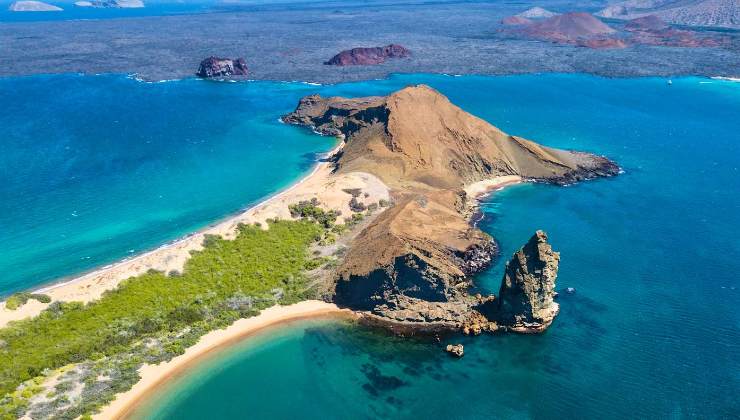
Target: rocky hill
(412,265)
(568,26)
(368,56)
(222,67)
(710,13)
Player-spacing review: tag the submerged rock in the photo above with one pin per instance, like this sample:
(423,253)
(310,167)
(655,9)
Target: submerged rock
(525,301)
(456,350)
(368,56)
(222,67)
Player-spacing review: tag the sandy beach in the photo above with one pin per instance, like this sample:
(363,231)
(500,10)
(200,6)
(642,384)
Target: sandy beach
(153,376)
(482,188)
(319,183)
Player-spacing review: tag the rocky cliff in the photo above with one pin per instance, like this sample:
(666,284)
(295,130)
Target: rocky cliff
(368,56)
(222,67)
(525,300)
(412,264)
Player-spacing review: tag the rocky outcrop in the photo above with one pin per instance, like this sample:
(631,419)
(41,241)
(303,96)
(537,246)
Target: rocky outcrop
(525,300)
(456,350)
(368,56)
(412,265)
(222,67)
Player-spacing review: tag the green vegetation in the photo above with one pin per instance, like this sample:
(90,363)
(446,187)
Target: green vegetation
(150,318)
(311,210)
(17,300)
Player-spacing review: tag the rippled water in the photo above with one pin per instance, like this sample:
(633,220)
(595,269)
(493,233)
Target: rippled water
(653,330)
(97,168)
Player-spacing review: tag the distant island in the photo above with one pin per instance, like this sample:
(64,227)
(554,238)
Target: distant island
(33,6)
(111,4)
(569,39)
(380,231)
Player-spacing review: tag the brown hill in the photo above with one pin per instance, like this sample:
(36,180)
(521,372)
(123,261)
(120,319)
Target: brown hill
(417,138)
(568,26)
(413,262)
(368,56)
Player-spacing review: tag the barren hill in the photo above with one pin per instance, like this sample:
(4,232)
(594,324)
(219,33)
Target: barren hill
(569,26)
(414,261)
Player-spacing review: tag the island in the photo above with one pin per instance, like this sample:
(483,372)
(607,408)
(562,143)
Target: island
(33,6)
(380,231)
(222,67)
(111,4)
(368,56)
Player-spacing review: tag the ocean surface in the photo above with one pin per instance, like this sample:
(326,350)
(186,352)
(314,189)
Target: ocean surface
(98,168)
(652,331)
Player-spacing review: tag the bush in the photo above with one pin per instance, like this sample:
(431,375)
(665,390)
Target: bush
(256,263)
(17,300)
(356,206)
(310,210)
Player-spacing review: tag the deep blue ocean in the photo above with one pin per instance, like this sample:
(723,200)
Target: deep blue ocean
(653,330)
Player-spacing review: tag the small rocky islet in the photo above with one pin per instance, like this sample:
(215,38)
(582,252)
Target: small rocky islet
(411,267)
(222,67)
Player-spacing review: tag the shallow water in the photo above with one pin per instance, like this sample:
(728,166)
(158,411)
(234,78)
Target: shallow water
(653,330)
(98,168)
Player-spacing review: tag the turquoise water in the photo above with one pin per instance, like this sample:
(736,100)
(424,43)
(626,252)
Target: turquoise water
(653,330)
(97,168)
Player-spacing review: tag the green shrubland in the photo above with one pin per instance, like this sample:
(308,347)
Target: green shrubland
(154,317)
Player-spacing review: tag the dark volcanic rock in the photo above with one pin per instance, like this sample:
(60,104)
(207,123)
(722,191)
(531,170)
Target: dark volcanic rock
(525,301)
(368,56)
(222,67)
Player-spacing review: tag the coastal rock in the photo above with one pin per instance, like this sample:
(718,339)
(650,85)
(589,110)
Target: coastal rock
(33,6)
(368,56)
(222,67)
(456,350)
(525,300)
(411,266)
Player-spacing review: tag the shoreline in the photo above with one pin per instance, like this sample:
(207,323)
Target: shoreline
(63,281)
(319,182)
(154,376)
